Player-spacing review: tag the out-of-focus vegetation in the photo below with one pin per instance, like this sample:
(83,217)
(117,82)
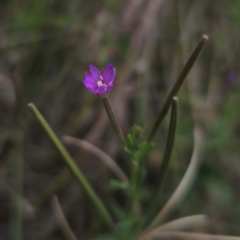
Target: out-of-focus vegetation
(46,47)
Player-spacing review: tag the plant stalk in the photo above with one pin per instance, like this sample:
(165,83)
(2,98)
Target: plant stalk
(169,145)
(167,154)
(73,167)
(113,120)
(177,86)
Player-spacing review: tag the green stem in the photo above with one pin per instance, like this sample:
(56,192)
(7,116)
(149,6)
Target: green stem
(133,189)
(73,167)
(113,120)
(167,153)
(177,86)
(170,143)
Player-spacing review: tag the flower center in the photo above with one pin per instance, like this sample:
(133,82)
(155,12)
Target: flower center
(99,83)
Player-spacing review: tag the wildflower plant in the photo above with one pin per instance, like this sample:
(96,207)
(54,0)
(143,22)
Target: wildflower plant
(100,83)
(134,224)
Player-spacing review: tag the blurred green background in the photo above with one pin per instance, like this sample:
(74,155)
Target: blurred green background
(47,46)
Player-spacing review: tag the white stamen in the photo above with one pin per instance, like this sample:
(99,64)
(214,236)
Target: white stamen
(99,83)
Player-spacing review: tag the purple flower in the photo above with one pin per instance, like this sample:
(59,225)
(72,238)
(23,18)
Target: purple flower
(98,82)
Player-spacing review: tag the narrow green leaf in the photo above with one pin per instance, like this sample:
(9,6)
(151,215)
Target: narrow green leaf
(115,184)
(73,167)
(177,87)
(168,150)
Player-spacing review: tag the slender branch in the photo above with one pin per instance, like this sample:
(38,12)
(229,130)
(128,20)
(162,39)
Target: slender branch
(62,220)
(113,120)
(73,167)
(177,86)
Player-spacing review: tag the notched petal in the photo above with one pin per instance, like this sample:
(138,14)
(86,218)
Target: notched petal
(91,86)
(88,77)
(108,74)
(94,72)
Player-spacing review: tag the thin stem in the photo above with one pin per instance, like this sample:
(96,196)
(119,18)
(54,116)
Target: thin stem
(166,156)
(177,86)
(73,167)
(133,189)
(169,146)
(113,120)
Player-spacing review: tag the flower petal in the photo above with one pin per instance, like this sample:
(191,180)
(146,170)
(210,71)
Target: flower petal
(102,90)
(94,72)
(91,86)
(108,74)
(109,87)
(89,78)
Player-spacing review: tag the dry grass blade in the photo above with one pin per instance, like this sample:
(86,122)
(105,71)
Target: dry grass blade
(184,224)
(62,220)
(187,236)
(186,182)
(106,159)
